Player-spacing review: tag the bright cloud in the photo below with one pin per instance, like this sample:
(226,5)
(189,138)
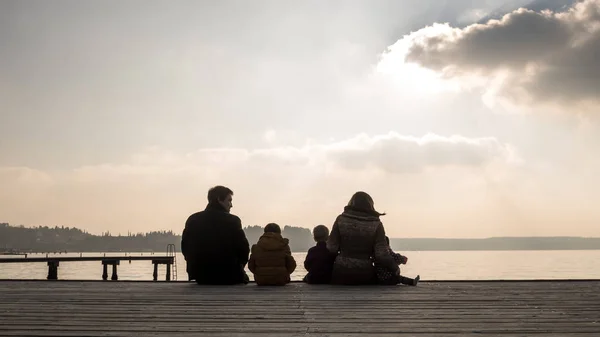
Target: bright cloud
(391,153)
(526,56)
(176,183)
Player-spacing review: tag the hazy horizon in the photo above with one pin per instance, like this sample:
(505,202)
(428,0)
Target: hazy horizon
(176,232)
(119,116)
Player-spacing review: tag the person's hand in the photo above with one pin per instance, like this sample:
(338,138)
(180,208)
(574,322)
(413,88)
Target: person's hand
(404,259)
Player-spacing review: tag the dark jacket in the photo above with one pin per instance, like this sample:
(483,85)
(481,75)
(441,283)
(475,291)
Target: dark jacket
(358,238)
(271,260)
(319,264)
(215,247)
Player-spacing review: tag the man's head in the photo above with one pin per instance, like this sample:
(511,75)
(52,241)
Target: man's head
(320,233)
(221,195)
(273,228)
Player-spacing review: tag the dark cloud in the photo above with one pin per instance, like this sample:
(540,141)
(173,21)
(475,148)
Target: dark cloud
(549,56)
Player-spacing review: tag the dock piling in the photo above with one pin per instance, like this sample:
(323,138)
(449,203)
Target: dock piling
(53,270)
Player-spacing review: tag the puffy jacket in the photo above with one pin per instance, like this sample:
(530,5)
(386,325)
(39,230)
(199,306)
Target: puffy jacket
(271,260)
(358,238)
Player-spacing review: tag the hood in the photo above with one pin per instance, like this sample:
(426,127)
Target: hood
(272,241)
(360,215)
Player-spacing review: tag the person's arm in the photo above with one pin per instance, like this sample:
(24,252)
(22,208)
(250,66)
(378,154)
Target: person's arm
(183,245)
(252,263)
(185,248)
(399,259)
(333,242)
(381,251)
(290,263)
(309,260)
(240,242)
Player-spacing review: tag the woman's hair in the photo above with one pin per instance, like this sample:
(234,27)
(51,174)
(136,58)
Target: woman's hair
(361,201)
(272,228)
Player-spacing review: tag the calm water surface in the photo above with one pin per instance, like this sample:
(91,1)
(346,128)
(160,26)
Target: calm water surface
(451,265)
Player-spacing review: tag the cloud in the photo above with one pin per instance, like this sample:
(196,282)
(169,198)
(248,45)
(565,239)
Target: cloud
(470,183)
(23,180)
(535,56)
(394,153)
(390,153)
(158,188)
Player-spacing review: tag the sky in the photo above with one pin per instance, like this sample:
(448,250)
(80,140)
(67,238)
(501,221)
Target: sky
(119,116)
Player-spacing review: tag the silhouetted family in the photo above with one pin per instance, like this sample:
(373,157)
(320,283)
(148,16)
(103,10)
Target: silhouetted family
(356,252)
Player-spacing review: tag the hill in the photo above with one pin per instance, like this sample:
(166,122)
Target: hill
(498,243)
(54,239)
(60,238)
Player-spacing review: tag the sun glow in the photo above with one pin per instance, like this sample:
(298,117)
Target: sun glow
(411,76)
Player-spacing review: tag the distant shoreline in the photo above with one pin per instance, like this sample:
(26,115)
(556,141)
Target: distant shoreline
(44,239)
(498,244)
(394,246)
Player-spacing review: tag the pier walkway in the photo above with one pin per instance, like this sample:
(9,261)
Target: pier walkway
(54,262)
(502,308)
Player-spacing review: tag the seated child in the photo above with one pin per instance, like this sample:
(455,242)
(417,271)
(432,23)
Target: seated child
(386,276)
(319,260)
(271,260)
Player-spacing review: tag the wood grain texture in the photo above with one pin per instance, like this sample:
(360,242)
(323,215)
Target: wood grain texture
(58,308)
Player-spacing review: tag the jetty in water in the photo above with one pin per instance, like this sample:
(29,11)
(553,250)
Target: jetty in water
(53,263)
(457,308)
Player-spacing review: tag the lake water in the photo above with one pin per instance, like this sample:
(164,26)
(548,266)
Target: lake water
(431,265)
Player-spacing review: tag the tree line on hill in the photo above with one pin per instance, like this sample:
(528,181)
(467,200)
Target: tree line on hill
(69,239)
(60,239)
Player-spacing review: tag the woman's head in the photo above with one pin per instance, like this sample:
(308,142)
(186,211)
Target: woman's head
(361,201)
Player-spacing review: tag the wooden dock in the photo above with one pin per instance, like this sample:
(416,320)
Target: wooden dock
(503,308)
(54,262)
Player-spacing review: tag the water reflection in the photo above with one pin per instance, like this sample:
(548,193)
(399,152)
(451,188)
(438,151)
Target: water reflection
(480,265)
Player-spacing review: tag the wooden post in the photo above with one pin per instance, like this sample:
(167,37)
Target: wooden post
(53,270)
(168,278)
(104,271)
(155,274)
(114,263)
(114,276)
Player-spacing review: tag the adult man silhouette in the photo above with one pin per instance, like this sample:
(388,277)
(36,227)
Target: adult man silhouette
(214,244)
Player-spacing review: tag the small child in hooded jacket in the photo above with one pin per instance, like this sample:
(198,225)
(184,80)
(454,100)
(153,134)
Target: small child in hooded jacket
(271,259)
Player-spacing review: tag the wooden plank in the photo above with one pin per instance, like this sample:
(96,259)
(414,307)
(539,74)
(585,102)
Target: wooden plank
(559,308)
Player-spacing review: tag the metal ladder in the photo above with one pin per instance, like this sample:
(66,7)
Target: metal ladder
(171,251)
